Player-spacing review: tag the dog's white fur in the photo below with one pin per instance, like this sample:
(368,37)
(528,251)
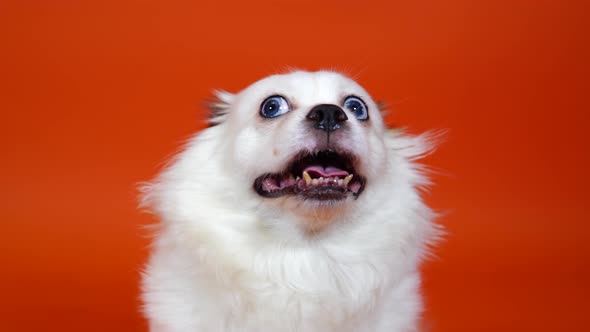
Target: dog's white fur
(227,259)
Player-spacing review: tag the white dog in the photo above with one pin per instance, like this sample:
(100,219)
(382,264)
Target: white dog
(296,210)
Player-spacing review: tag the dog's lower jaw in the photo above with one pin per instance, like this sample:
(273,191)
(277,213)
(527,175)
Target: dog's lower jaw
(313,217)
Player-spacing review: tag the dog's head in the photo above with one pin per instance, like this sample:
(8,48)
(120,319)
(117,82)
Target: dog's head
(307,145)
(315,139)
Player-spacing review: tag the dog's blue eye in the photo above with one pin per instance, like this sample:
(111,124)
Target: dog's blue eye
(357,107)
(274,106)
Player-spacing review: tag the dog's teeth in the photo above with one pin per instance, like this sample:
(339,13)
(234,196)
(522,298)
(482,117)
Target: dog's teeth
(321,180)
(315,182)
(307,178)
(340,182)
(347,179)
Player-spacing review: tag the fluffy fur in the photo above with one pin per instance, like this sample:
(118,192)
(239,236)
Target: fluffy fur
(227,259)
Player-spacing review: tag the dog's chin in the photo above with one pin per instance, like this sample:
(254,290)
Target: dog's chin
(323,178)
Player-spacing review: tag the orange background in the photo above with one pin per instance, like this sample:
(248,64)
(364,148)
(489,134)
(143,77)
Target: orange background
(96,94)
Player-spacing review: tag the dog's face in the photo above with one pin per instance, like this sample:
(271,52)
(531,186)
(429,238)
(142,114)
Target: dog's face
(311,141)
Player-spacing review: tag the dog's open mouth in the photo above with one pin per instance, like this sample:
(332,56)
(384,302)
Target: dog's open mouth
(326,175)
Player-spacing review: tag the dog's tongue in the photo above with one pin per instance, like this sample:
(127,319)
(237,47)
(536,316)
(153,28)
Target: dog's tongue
(325,172)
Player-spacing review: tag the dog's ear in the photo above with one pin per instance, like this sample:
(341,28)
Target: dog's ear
(219,106)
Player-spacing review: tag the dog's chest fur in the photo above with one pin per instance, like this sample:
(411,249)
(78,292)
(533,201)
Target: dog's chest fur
(280,290)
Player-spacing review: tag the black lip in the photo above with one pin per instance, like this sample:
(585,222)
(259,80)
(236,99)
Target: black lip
(326,193)
(270,194)
(342,160)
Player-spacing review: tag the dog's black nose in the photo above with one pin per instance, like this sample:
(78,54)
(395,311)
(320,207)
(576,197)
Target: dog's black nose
(327,117)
